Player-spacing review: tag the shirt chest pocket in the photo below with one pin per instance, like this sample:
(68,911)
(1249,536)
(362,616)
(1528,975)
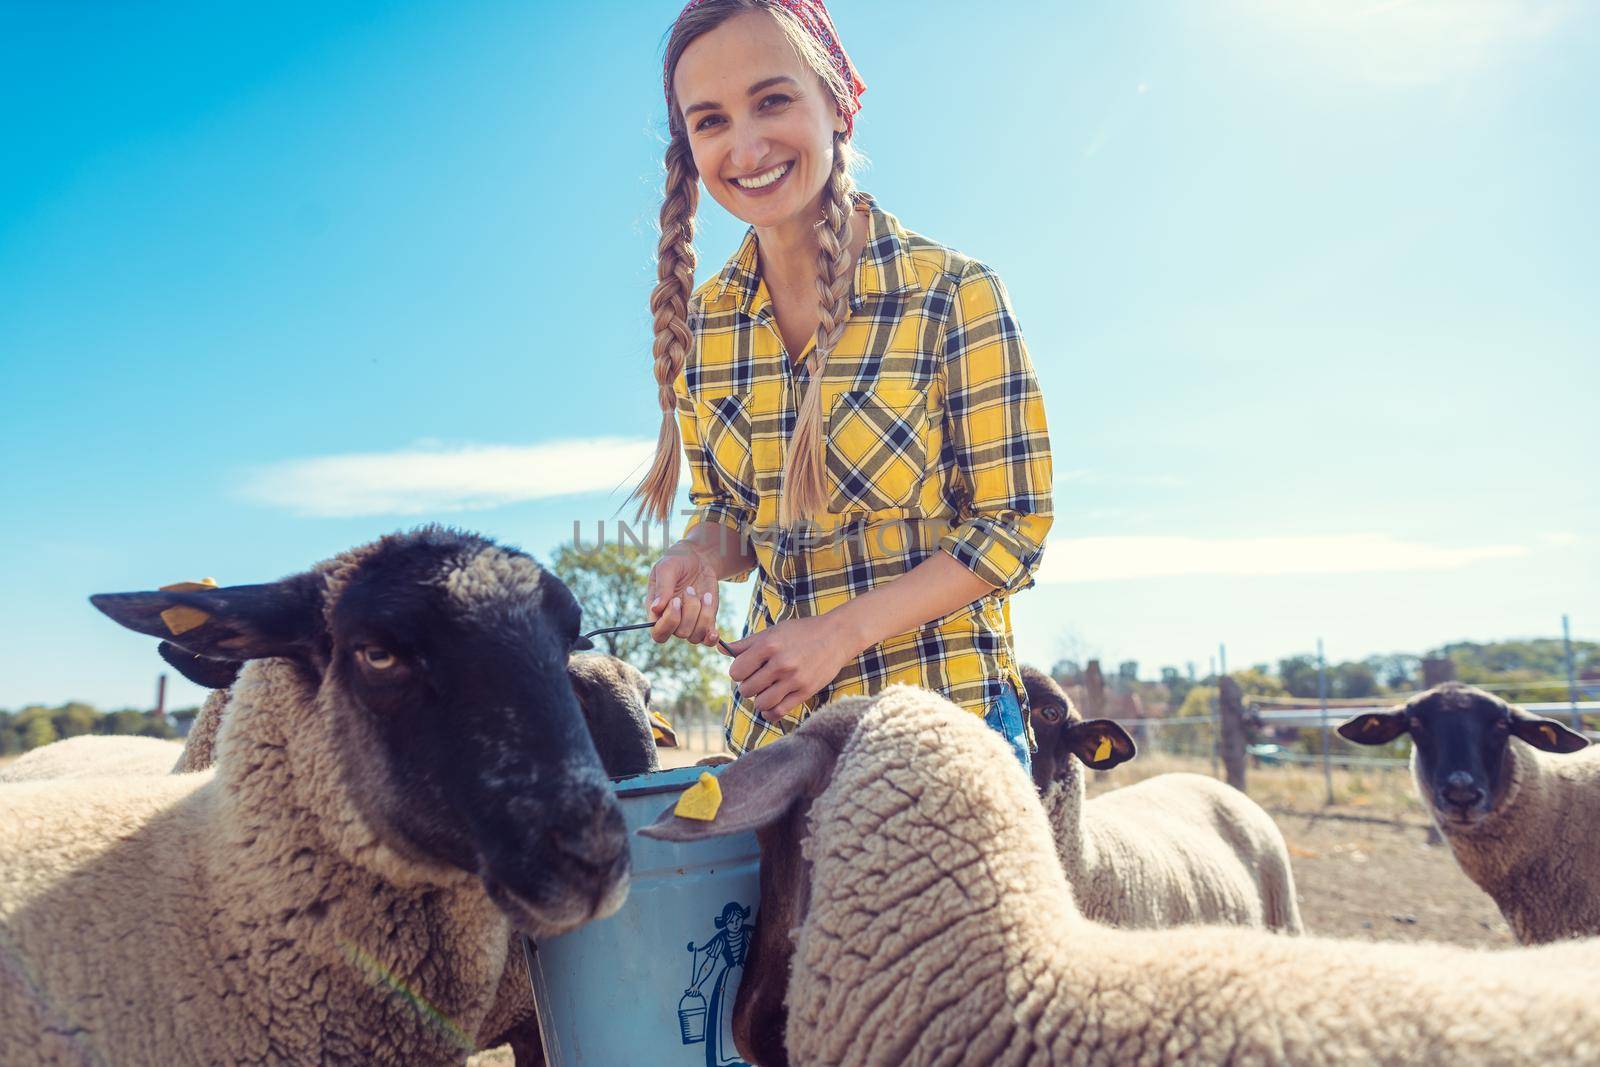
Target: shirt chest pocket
(877,447)
(725,431)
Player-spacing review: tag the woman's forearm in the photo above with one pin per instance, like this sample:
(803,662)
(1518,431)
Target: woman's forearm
(724,550)
(930,590)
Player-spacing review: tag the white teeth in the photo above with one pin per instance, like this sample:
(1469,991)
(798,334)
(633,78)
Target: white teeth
(761,181)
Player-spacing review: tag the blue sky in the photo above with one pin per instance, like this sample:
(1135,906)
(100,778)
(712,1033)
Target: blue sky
(1309,288)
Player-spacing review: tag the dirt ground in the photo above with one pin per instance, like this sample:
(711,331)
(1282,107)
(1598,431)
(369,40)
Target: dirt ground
(1381,881)
(1363,866)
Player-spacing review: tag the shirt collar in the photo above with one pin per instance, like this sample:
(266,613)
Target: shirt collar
(885,267)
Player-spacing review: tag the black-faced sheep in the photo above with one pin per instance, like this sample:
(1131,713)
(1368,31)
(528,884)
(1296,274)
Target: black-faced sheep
(1517,808)
(934,926)
(615,700)
(1173,849)
(403,776)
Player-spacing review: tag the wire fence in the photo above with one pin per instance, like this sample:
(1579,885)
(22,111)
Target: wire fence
(1294,737)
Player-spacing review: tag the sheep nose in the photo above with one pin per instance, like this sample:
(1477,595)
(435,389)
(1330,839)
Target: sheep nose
(1461,791)
(592,838)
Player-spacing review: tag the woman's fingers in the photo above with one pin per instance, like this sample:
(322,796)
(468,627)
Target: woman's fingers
(777,707)
(708,618)
(762,679)
(751,655)
(689,608)
(665,577)
(667,622)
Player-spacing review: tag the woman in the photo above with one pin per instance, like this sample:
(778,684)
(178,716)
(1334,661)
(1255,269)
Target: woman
(861,421)
(728,948)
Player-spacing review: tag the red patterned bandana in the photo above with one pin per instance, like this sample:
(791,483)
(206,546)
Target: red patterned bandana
(814,17)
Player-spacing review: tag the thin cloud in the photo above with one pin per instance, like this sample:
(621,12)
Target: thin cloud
(430,479)
(1112,559)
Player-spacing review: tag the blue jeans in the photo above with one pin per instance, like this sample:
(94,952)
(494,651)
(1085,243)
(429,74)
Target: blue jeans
(1004,717)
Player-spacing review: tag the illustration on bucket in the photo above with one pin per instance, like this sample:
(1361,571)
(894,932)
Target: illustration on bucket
(723,956)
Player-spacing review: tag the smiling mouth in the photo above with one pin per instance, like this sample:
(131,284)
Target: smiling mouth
(765,178)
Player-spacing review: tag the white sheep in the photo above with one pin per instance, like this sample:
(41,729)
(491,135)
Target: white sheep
(1170,850)
(93,755)
(934,926)
(402,775)
(1523,818)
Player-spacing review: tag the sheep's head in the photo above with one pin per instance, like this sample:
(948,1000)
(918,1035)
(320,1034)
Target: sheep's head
(860,800)
(1461,735)
(615,699)
(770,791)
(1063,734)
(440,659)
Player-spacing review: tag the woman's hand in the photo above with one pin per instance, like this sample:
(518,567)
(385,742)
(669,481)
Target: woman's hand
(782,666)
(682,596)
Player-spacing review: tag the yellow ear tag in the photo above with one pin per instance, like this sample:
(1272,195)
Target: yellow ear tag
(1103,749)
(181,620)
(701,800)
(658,722)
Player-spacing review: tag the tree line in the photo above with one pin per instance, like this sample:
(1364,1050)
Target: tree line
(37,725)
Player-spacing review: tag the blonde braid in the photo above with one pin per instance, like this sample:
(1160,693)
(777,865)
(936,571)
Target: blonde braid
(805,489)
(669,303)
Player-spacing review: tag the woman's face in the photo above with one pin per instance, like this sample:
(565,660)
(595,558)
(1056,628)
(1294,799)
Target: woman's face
(735,923)
(760,121)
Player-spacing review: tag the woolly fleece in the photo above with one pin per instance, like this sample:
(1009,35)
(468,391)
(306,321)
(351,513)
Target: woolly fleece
(1170,850)
(200,746)
(242,916)
(512,1018)
(1536,853)
(92,756)
(943,931)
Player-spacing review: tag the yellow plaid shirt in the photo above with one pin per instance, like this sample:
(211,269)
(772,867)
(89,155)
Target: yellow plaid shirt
(935,439)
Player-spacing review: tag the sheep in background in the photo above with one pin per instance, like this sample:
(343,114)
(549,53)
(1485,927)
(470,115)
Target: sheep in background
(1520,817)
(934,927)
(403,775)
(1176,848)
(93,755)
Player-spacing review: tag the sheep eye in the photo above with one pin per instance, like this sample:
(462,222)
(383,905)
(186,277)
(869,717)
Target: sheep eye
(377,657)
(1050,714)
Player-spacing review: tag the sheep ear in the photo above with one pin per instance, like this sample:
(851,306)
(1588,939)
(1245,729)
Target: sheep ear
(211,673)
(1545,734)
(1100,743)
(661,729)
(235,622)
(1374,728)
(757,790)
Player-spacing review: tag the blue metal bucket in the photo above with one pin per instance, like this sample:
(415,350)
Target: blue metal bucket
(654,984)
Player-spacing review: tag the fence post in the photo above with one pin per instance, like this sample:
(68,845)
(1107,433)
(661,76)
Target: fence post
(1572,684)
(1094,691)
(1231,709)
(1322,697)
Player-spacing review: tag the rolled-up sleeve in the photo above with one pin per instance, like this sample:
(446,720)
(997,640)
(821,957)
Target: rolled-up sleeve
(713,502)
(996,425)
